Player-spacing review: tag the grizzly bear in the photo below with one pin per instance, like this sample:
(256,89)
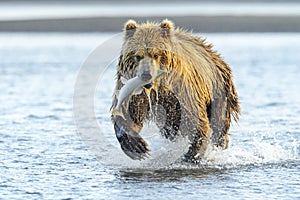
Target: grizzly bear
(195,98)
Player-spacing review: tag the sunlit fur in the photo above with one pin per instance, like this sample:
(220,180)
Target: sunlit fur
(195,73)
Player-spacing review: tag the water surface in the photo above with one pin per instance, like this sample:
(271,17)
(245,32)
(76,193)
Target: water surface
(42,156)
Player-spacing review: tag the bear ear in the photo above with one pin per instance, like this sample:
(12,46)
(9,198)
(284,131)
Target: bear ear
(130,27)
(167,26)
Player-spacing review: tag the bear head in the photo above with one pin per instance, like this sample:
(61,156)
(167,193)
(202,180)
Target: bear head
(146,48)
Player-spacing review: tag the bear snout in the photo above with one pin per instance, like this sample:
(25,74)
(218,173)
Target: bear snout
(146,76)
(147,70)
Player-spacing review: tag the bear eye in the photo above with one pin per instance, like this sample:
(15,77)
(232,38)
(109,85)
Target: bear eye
(138,58)
(155,56)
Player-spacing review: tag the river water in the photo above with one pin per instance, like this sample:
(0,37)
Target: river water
(43,155)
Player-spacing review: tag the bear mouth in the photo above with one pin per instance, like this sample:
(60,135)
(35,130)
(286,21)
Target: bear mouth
(148,86)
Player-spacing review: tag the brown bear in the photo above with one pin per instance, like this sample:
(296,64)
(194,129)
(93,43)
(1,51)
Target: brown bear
(196,96)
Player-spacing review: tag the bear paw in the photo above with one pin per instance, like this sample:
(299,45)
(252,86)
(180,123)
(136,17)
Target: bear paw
(133,145)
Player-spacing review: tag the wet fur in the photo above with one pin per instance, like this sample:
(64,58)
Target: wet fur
(197,92)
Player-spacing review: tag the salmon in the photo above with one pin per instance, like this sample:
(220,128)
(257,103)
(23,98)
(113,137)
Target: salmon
(132,86)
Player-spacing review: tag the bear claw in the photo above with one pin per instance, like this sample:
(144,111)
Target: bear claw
(133,145)
(136,149)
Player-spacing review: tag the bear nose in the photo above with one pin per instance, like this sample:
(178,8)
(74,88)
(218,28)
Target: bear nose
(146,76)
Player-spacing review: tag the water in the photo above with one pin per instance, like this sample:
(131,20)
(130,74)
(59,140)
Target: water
(41,10)
(42,156)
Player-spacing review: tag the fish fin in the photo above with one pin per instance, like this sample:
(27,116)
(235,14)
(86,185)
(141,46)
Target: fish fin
(138,90)
(123,80)
(117,93)
(160,72)
(116,112)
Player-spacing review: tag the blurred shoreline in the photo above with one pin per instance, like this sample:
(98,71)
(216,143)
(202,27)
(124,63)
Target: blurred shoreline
(109,16)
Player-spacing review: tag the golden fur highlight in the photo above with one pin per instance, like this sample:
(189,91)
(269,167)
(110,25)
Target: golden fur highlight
(196,74)
(194,80)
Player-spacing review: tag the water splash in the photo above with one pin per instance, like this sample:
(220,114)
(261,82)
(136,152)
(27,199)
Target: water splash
(261,149)
(258,150)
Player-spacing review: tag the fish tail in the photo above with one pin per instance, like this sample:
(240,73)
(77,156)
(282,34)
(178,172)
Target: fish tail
(116,112)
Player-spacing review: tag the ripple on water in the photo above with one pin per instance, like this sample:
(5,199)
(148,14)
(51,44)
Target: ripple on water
(42,157)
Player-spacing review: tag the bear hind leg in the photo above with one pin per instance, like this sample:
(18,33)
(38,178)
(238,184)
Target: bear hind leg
(199,139)
(219,117)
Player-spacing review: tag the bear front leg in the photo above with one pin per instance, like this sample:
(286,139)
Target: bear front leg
(132,144)
(127,130)
(170,114)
